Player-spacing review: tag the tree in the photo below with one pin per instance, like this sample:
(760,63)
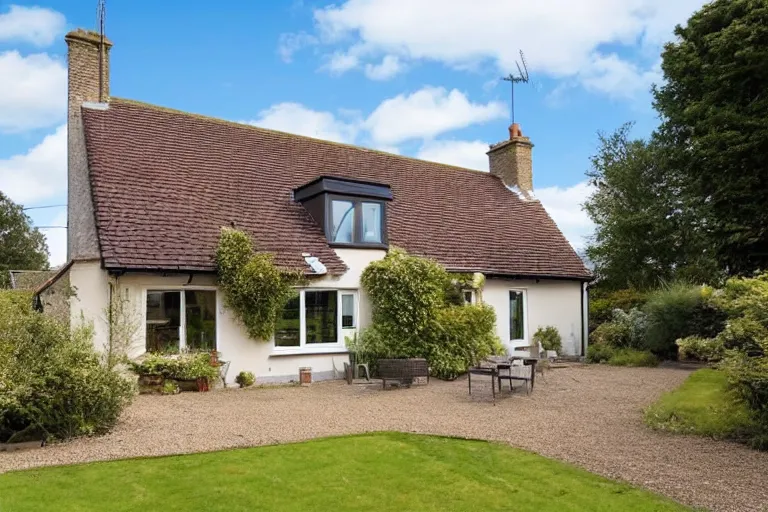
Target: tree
(22,246)
(645,234)
(714,111)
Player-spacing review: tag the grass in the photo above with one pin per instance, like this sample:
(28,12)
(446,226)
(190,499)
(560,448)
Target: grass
(381,472)
(703,405)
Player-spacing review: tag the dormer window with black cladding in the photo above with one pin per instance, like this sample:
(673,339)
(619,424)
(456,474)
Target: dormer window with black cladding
(352,213)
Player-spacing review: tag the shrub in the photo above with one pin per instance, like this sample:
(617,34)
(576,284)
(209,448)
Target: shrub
(599,353)
(170,387)
(245,379)
(626,329)
(603,303)
(549,338)
(187,366)
(696,348)
(414,315)
(52,382)
(633,357)
(677,311)
(254,288)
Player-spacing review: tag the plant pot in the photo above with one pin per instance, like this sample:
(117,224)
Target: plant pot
(551,354)
(187,385)
(150,384)
(202,384)
(305,376)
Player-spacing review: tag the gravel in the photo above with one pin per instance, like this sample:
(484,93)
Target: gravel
(587,415)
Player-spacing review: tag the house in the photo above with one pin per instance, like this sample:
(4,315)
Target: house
(150,189)
(50,287)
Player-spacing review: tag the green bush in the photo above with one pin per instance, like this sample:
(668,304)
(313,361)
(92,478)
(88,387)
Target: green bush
(678,311)
(414,315)
(599,352)
(696,348)
(626,329)
(549,338)
(254,288)
(186,366)
(245,379)
(632,357)
(52,382)
(603,303)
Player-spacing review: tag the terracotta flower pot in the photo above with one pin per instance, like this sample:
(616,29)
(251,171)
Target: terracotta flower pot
(202,384)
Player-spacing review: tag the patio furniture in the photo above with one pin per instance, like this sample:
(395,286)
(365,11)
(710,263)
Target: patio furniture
(223,369)
(491,371)
(509,376)
(404,371)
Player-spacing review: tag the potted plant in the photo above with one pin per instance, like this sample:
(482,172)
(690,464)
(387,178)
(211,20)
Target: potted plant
(549,339)
(245,379)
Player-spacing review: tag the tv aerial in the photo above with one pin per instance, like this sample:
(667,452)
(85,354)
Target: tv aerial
(520,77)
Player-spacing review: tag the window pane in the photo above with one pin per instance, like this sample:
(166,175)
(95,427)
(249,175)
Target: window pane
(343,215)
(287,327)
(163,321)
(347,311)
(200,307)
(468,297)
(321,320)
(372,222)
(516,319)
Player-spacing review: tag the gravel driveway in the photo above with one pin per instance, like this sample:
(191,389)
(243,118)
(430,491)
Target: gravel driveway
(587,415)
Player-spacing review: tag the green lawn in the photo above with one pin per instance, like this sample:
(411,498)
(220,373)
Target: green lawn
(702,405)
(375,472)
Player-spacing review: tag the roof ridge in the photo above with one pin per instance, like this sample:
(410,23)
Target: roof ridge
(238,124)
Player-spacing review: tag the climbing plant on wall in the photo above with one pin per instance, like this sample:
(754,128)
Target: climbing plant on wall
(254,287)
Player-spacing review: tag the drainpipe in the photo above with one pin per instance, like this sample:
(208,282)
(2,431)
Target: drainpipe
(584,318)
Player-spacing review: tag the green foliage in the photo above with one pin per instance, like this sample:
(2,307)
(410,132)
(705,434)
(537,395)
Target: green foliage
(602,303)
(714,113)
(406,291)
(170,387)
(549,338)
(22,246)
(245,379)
(599,353)
(186,366)
(52,382)
(626,329)
(254,288)
(643,233)
(703,405)
(414,315)
(696,348)
(632,357)
(677,311)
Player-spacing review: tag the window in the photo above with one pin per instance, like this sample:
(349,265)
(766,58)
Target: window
(313,320)
(469,296)
(354,221)
(343,221)
(516,315)
(347,311)
(179,320)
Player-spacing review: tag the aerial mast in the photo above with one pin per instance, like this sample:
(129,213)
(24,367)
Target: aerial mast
(520,77)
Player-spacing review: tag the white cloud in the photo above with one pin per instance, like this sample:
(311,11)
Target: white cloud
(427,113)
(57,239)
(618,78)
(561,39)
(389,67)
(291,43)
(462,153)
(34,91)
(40,173)
(341,62)
(564,206)
(36,25)
(296,118)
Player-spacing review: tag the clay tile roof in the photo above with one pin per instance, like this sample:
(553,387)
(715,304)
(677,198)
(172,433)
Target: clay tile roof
(165,182)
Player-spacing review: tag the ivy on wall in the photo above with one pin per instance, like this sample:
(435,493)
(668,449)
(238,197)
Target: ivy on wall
(254,287)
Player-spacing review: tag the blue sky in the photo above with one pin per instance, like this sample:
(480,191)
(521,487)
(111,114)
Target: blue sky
(420,78)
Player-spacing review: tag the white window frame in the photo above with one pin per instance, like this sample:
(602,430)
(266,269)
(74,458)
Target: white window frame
(182,312)
(354,308)
(525,315)
(320,348)
(473,296)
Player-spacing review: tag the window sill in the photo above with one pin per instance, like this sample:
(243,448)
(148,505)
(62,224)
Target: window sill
(308,351)
(358,245)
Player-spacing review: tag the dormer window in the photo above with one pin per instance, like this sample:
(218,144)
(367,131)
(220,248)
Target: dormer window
(351,213)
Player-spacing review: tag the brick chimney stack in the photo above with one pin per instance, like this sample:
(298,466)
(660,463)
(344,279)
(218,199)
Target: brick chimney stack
(86,62)
(511,161)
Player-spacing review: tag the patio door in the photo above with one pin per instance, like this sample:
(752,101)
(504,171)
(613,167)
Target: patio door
(180,319)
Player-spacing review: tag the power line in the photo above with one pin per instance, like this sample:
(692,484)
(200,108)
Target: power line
(40,207)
